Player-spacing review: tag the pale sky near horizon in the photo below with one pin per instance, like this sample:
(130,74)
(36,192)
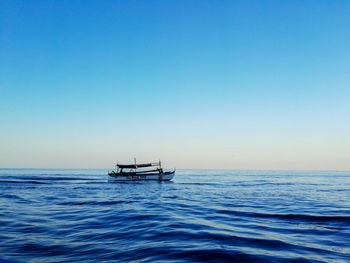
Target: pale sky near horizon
(197,84)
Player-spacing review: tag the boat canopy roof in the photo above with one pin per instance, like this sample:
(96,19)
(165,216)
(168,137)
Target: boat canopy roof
(135,166)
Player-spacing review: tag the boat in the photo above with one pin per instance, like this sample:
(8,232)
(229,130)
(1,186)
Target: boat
(148,172)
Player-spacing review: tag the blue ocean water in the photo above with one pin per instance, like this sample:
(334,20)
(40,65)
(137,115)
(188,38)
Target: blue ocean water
(202,216)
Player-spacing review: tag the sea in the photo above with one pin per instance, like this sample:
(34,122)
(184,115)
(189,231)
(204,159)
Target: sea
(63,215)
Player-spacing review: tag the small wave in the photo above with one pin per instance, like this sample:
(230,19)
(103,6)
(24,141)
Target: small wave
(51,178)
(290,217)
(94,203)
(68,179)
(215,255)
(22,182)
(201,183)
(13,197)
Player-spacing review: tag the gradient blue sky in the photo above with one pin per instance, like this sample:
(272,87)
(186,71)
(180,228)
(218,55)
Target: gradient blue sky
(199,84)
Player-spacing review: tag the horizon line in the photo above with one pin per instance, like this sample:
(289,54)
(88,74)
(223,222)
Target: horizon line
(230,169)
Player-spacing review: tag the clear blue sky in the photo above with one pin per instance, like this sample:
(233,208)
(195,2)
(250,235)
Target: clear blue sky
(199,84)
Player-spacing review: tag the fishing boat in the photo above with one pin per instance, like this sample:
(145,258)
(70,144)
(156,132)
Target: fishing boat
(140,172)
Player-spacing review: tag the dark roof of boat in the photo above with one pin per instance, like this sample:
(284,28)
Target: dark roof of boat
(135,166)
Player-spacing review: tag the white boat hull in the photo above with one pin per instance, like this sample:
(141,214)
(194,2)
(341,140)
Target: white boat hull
(167,176)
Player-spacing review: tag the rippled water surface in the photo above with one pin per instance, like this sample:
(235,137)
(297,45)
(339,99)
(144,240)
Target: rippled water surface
(202,216)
